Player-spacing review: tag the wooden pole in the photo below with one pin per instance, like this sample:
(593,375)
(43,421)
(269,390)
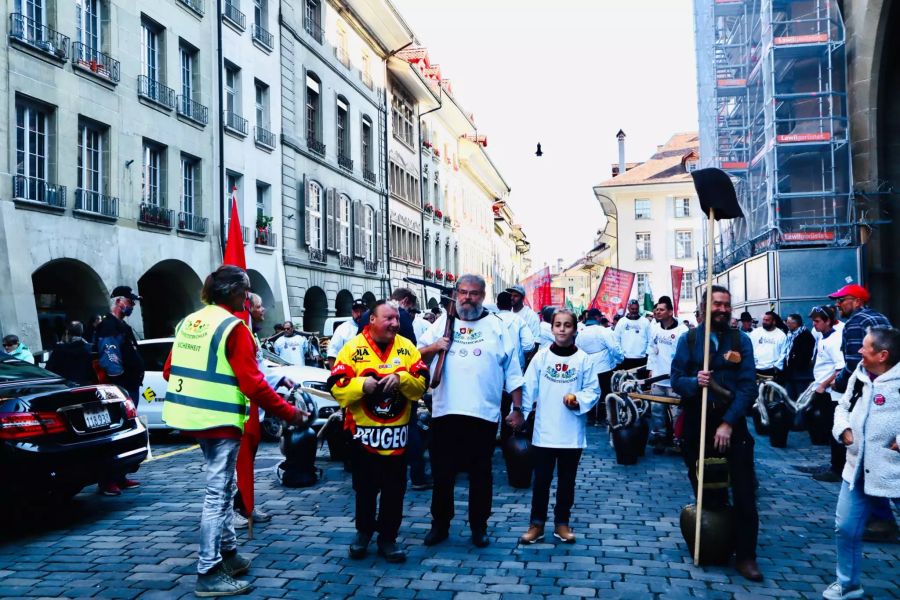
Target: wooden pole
(704,393)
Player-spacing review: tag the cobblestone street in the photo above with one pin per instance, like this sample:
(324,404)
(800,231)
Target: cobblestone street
(143,544)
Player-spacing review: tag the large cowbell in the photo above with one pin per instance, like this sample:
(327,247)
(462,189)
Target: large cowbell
(298,444)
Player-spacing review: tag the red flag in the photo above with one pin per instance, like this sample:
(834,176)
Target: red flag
(234,255)
(677,276)
(537,289)
(613,291)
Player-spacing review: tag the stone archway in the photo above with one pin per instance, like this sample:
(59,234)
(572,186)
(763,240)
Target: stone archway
(343,303)
(67,290)
(259,285)
(315,309)
(369,299)
(170,291)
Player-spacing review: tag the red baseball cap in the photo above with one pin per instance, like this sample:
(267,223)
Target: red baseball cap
(853,289)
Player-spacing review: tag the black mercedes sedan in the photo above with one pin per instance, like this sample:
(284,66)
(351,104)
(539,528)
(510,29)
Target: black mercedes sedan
(56,437)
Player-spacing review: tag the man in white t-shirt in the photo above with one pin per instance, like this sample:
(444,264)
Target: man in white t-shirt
(293,347)
(633,332)
(531,318)
(480,364)
(345,332)
(664,334)
(768,346)
(828,364)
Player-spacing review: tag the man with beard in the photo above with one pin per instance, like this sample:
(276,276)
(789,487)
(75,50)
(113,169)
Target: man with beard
(798,356)
(664,334)
(377,377)
(768,346)
(634,337)
(293,347)
(731,380)
(480,364)
(531,318)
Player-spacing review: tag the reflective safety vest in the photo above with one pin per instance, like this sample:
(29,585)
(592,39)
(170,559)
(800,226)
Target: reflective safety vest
(203,391)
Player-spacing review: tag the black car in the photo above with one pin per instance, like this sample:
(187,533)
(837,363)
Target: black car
(56,437)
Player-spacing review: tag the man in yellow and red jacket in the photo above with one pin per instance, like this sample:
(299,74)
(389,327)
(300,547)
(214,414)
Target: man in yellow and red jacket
(377,377)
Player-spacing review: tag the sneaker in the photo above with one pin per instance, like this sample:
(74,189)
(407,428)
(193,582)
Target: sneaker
(219,583)
(240,521)
(425,484)
(234,564)
(110,489)
(129,484)
(260,516)
(837,592)
(564,534)
(534,534)
(828,476)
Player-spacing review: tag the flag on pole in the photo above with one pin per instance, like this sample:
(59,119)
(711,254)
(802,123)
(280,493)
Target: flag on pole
(677,278)
(647,300)
(234,246)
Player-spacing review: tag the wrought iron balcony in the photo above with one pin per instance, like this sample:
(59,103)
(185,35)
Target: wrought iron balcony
(262,36)
(236,123)
(317,256)
(192,110)
(313,28)
(155,215)
(192,223)
(371,266)
(346,261)
(39,190)
(156,92)
(266,237)
(194,5)
(231,13)
(96,62)
(345,162)
(245,233)
(264,137)
(316,146)
(369,176)
(96,203)
(38,36)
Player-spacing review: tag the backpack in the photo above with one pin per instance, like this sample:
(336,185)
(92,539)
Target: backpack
(857,393)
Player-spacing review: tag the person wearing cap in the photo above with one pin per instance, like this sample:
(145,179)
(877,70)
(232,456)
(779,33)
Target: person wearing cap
(16,349)
(528,316)
(746,322)
(117,342)
(602,345)
(346,331)
(634,337)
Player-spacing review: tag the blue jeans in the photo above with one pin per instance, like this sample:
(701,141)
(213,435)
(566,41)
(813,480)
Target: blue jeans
(853,510)
(217,522)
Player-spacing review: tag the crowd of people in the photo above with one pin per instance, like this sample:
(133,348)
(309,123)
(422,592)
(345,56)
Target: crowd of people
(506,367)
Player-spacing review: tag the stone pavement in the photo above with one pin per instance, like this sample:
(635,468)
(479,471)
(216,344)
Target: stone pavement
(143,544)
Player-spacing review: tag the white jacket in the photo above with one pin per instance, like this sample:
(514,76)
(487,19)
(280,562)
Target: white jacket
(634,336)
(875,423)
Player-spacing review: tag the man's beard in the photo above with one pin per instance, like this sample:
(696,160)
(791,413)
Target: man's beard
(768,328)
(721,320)
(468,312)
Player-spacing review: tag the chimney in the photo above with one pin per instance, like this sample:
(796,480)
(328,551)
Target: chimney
(621,137)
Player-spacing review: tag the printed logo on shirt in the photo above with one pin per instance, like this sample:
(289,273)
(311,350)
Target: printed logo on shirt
(195,329)
(382,438)
(467,335)
(402,352)
(384,407)
(561,373)
(763,340)
(360,354)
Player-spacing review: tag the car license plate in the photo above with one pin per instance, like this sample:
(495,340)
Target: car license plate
(97,417)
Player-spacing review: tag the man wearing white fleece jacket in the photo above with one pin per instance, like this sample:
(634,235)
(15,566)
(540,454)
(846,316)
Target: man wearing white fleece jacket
(633,332)
(768,346)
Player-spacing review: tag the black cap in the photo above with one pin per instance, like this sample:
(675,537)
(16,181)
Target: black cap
(745,316)
(359,303)
(124,291)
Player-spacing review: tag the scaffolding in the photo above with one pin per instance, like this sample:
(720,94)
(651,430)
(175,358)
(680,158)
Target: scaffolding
(774,115)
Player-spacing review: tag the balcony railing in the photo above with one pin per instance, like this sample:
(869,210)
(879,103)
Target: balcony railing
(313,28)
(194,5)
(262,36)
(369,176)
(39,190)
(371,266)
(345,162)
(317,256)
(245,232)
(266,237)
(236,123)
(192,110)
(36,35)
(192,223)
(231,13)
(155,215)
(316,146)
(264,137)
(156,92)
(346,261)
(96,203)
(98,63)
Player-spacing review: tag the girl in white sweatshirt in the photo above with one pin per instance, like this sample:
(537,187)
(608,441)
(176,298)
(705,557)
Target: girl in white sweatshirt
(561,385)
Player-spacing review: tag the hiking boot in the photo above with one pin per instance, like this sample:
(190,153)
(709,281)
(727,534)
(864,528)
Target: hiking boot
(359,547)
(564,534)
(836,591)
(109,489)
(218,583)
(392,552)
(828,476)
(534,534)
(234,564)
(436,535)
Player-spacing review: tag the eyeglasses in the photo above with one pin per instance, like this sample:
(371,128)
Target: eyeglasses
(842,299)
(9,345)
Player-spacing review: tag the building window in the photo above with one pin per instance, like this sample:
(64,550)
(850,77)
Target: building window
(687,285)
(32,143)
(260,13)
(91,176)
(642,246)
(682,207)
(641,209)
(343,128)
(188,59)
(190,188)
(232,89)
(684,244)
(153,181)
(314,216)
(313,107)
(312,19)
(88,23)
(262,105)
(690,166)
(151,51)
(643,285)
(233,189)
(344,225)
(402,119)
(370,233)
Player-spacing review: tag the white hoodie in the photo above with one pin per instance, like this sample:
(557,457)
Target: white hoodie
(634,336)
(662,346)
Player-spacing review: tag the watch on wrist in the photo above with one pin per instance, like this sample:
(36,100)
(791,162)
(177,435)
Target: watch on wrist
(517,408)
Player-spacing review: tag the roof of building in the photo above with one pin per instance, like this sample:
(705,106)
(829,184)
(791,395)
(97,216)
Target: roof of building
(666,166)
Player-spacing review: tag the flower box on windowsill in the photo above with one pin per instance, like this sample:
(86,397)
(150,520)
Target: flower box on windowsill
(439,275)
(439,214)
(429,274)
(429,208)
(449,277)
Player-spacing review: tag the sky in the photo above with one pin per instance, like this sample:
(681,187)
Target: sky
(568,74)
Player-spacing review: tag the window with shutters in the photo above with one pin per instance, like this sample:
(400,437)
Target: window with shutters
(314,216)
(343,215)
(369,233)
